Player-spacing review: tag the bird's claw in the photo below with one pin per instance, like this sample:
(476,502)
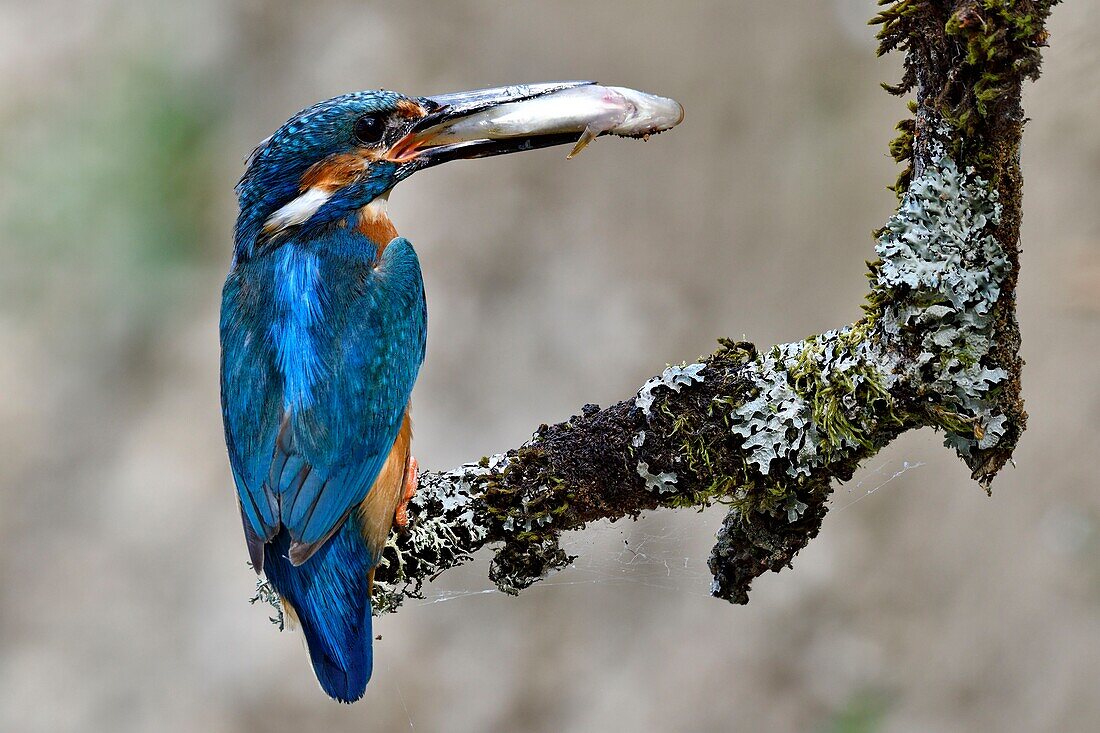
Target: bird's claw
(401,516)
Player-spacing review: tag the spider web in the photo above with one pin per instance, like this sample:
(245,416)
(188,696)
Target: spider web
(661,552)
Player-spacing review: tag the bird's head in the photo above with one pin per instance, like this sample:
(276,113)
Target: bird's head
(331,160)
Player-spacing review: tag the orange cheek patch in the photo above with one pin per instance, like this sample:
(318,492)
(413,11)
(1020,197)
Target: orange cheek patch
(410,109)
(337,171)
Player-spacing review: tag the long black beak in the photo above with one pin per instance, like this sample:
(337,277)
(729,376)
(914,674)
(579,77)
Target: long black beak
(510,119)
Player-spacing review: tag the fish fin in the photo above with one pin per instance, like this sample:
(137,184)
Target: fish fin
(590,133)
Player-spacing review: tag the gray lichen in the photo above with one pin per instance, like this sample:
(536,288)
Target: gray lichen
(662,483)
(266,594)
(943,269)
(777,424)
(673,377)
(812,401)
(946,268)
(448,526)
(795,508)
(940,271)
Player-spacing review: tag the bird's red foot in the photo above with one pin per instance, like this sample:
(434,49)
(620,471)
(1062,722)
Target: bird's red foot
(401,516)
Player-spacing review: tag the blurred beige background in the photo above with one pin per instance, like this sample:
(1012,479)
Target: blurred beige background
(923,606)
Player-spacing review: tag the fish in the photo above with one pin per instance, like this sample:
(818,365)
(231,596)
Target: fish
(589,111)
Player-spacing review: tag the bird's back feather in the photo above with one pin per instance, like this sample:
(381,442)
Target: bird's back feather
(339,340)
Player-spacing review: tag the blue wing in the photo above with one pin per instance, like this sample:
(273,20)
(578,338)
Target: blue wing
(321,348)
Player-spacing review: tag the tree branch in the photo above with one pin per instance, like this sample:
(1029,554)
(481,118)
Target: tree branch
(769,433)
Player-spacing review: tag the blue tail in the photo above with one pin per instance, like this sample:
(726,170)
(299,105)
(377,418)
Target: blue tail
(330,594)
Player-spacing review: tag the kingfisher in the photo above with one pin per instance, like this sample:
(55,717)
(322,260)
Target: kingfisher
(323,328)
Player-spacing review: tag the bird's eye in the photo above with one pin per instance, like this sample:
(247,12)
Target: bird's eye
(369,129)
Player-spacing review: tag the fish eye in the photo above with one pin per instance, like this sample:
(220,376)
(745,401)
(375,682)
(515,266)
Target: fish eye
(369,129)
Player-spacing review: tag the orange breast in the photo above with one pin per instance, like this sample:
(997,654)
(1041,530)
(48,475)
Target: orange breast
(376,511)
(377,227)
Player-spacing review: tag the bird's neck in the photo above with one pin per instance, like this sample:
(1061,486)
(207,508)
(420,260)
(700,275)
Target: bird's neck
(374,223)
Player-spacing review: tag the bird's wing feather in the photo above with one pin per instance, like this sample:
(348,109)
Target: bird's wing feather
(370,362)
(324,454)
(251,400)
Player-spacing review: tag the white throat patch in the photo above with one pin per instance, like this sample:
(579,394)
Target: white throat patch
(298,211)
(379,208)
